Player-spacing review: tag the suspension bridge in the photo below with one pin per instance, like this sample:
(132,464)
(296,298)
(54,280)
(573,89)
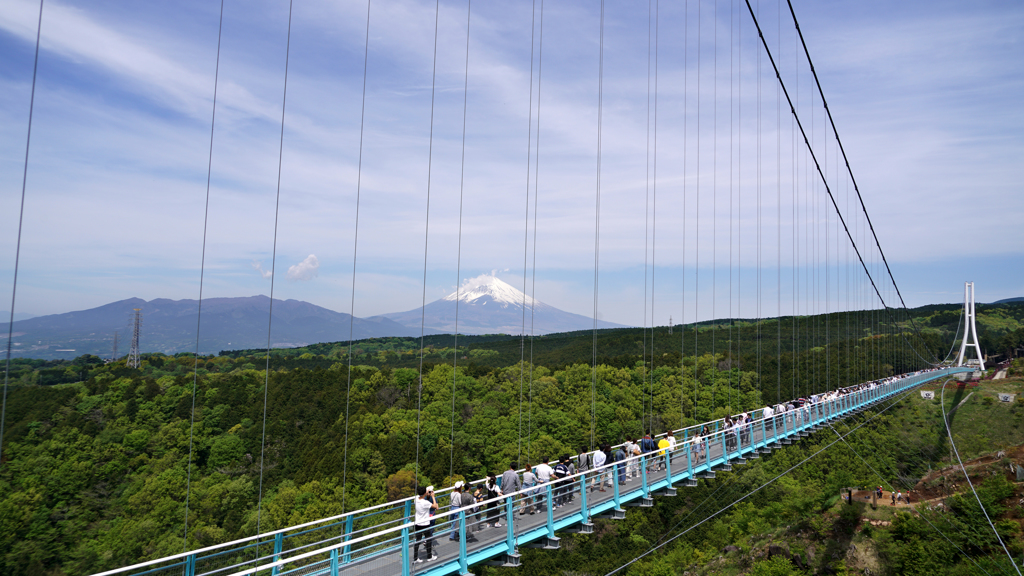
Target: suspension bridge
(378,540)
(795,209)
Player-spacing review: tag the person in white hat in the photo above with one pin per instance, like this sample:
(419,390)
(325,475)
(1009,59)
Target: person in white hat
(425,504)
(456,503)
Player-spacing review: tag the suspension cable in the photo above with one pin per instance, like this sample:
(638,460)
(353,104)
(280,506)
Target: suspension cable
(458,265)
(273,265)
(654,206)
(526,230)
(202,272)
(426,243)
(355,254)
(952,444)
(21,219)
(597,226)
(536,192)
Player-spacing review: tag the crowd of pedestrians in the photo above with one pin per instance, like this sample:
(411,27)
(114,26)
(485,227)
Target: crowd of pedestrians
(485,508)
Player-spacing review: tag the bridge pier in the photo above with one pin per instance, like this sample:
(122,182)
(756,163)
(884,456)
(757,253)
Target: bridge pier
(613,514)
(584,528)
(546,543)
(506,561)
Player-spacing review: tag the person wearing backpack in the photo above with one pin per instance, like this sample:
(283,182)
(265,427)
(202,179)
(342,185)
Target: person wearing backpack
(493,492)
(633,467)
(529,500)
(620,467)
(647,447)
(561,474)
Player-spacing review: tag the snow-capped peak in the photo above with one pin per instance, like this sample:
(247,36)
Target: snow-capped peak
(489,285)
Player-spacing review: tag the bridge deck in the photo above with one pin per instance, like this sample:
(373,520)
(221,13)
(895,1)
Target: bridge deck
(379,540)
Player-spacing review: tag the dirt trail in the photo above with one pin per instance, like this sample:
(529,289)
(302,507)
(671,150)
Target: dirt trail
(955,477)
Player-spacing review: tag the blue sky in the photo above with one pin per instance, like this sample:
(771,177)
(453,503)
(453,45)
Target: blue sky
(926,98)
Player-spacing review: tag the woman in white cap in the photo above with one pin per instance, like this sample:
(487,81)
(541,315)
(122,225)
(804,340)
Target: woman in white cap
(456,503)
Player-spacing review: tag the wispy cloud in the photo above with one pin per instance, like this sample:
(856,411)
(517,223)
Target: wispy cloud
(258,267)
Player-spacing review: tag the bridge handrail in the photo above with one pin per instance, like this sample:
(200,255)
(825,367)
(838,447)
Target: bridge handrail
(594,472)
(686,443)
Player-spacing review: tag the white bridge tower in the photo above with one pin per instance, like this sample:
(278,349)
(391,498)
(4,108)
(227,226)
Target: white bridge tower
(970,329)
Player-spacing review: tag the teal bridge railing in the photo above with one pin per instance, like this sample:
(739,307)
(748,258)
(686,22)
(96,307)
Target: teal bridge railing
(379,540)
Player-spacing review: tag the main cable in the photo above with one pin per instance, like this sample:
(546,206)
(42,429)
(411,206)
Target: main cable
(202,272)
(842,149)
(817,166)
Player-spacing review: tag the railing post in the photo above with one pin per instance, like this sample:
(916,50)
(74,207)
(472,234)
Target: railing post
(615,489)
(463,563)
(584,509)
(689,460)
(278,546)
(334,562)
(668,473)
(510,533)
(643,476)
(725,449)
(190,565)
(764,433)
(406,566)
(551,510)
(405,549)
(346,555)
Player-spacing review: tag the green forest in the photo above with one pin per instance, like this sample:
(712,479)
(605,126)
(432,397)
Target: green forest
(96,456)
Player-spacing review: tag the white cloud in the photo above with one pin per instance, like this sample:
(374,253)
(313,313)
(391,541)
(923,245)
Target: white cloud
(305,270)
(258,266)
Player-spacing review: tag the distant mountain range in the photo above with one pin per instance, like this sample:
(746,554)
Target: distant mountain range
(486,306)
(1009,300)
(169,326)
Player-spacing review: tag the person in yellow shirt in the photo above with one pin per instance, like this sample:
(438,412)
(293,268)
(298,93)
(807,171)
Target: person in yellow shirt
(663,447)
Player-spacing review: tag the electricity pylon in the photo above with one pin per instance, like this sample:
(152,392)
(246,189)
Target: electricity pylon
(133,353)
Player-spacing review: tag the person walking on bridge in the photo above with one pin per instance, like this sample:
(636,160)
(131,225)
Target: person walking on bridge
(425,502)
(510,483)
(529,497)
(456,503)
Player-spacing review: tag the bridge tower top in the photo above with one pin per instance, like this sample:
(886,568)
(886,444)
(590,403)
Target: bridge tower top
(970,329)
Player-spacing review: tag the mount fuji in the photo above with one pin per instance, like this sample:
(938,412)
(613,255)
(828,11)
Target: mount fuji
(487,305)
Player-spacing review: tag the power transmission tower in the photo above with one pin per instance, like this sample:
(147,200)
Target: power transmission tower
(117,340)
(970,329)
(133,352)
(669,324)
